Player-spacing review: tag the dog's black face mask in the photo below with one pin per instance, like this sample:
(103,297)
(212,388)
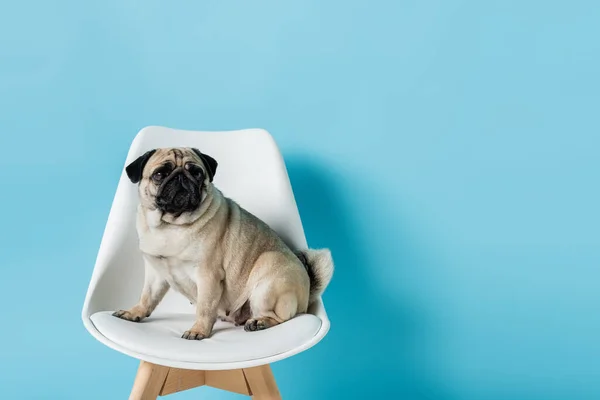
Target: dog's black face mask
(179,189)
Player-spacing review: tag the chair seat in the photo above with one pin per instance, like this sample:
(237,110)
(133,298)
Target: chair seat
(159,336)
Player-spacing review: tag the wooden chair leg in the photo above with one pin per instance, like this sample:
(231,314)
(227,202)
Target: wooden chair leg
(231,380)
(179,380)
(262,383)
(156,380)
(148,381)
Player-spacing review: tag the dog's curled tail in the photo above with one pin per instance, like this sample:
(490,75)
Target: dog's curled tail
(319,265)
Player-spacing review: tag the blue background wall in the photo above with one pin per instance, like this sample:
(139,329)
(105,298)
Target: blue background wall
(447,152)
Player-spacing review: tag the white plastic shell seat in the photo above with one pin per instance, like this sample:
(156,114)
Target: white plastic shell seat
(252,172)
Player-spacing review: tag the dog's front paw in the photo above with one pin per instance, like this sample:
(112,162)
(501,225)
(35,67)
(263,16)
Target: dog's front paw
(193,335)
(131,315)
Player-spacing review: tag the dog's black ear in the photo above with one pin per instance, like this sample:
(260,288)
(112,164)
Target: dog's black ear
(209,162)
(136,168)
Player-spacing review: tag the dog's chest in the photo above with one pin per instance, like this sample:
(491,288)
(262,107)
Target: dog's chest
(175,255)
(167,242)
(181,275)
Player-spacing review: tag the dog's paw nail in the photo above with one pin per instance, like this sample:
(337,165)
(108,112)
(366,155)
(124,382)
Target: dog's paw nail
(250,325)
(127,316)
(190,335)
(253,325)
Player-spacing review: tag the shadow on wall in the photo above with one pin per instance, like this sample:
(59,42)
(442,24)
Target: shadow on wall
(374,348)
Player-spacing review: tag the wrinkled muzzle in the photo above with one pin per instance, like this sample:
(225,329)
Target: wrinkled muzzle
(179,193)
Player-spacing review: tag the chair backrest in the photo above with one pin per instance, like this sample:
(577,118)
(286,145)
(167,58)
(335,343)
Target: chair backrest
(251,171)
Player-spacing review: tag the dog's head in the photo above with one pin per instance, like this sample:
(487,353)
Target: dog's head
(172,180)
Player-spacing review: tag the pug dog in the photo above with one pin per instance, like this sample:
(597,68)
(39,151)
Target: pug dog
(223,259)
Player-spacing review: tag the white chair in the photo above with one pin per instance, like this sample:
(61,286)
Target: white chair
(252,172)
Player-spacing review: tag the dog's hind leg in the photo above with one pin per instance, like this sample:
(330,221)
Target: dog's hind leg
(280,288)
(269,310)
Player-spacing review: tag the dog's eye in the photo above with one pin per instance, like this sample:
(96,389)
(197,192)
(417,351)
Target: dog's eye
(194,169)
(158,176)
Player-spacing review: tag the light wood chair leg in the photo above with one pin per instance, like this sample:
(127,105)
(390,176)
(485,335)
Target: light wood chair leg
(262,383)
(156,380)
(179,380)
(148,381)
(231,380)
